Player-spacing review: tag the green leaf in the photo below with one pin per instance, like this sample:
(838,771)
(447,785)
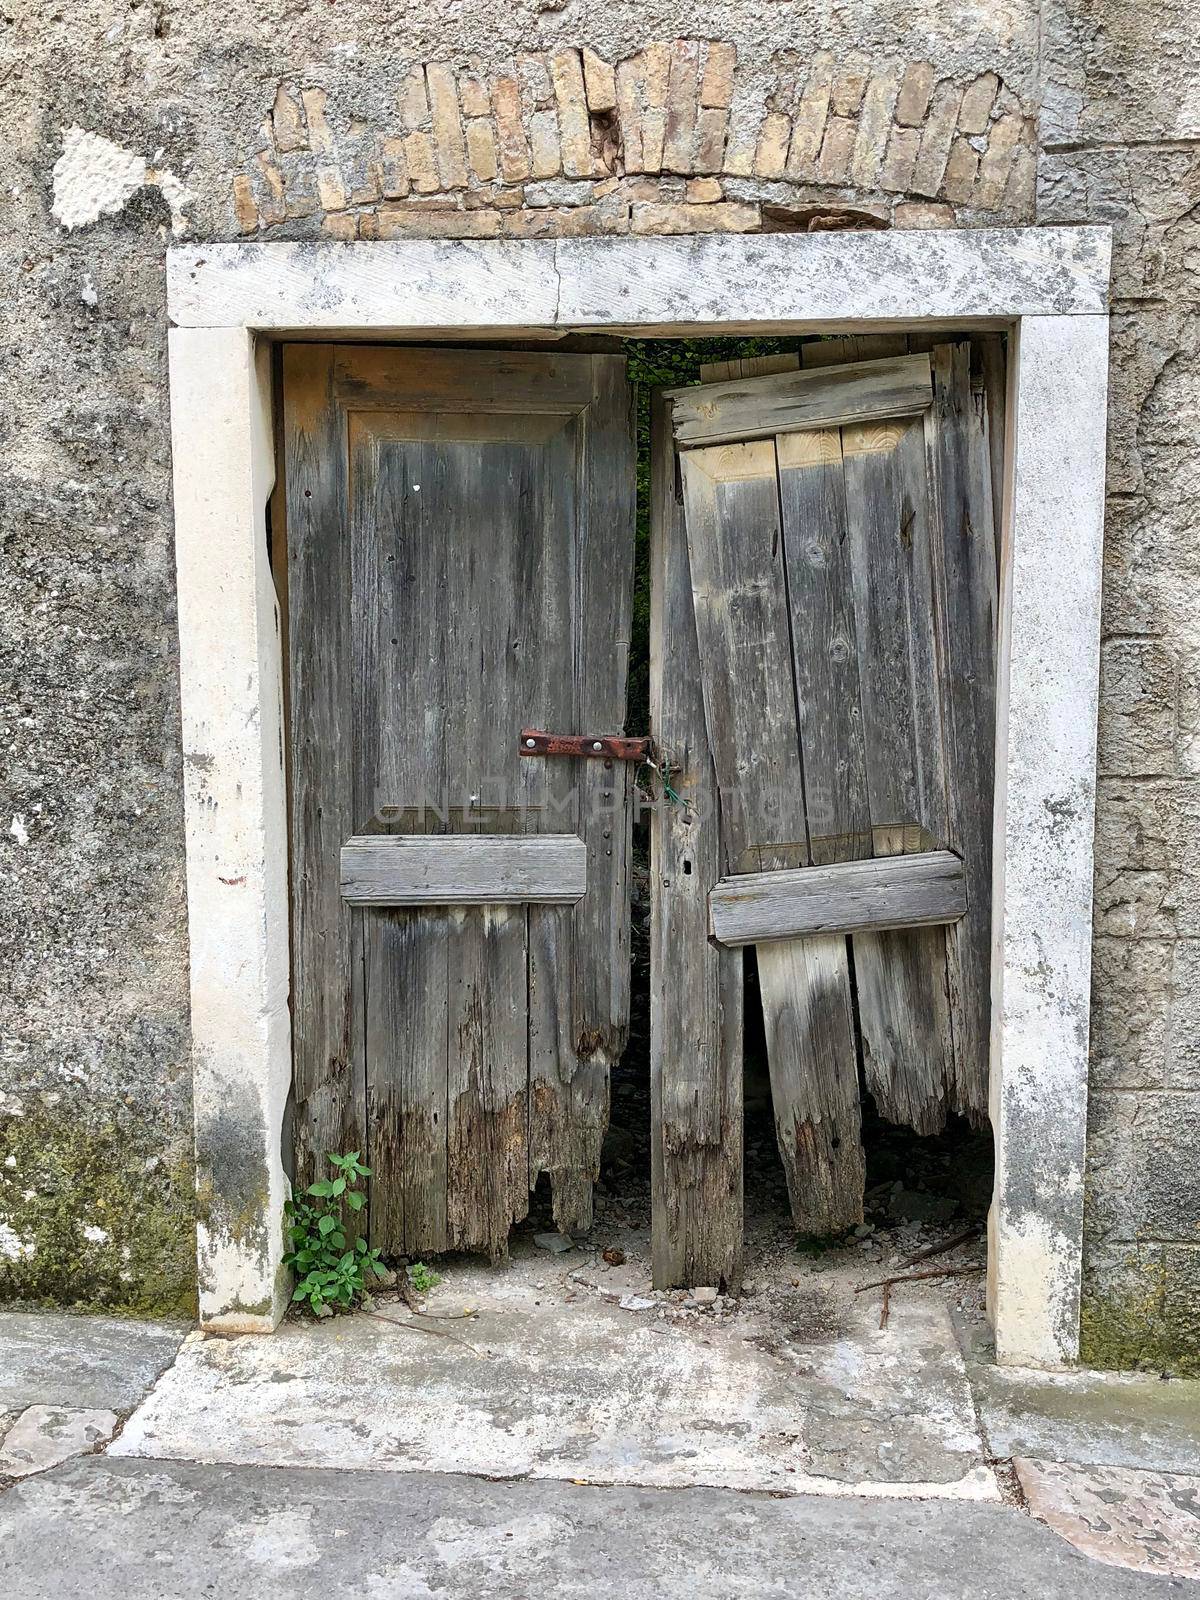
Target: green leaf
(323,1188)
(355,1200)
(299,1292)
(326,1225)
(337,1187)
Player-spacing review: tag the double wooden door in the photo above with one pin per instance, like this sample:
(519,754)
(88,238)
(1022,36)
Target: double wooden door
(460,551)
(460,542)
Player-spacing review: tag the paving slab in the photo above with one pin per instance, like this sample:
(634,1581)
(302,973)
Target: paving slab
(535,1384)
(44,1436)
(142,1530)
(1113,1419)
(90,1363)
(1147,1521)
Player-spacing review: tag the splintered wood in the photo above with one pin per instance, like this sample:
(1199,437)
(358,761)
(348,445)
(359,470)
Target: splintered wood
(841,555)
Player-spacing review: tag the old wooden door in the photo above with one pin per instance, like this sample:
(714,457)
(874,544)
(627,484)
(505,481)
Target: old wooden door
(460,548)
(826,569)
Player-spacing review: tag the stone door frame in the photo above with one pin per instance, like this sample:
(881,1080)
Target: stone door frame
(1048,287)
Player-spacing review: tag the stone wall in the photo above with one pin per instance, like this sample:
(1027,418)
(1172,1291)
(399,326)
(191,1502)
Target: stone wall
(662,141)
(125,126)
(1120,133)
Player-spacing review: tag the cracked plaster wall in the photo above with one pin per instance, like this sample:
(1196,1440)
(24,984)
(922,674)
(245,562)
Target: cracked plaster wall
(127,125)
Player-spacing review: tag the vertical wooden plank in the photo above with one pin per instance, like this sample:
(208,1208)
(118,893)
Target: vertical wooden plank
(965,573)
(603,620)
(550,788)
(731,499)
(695,987)
(399,759)
(487,1077)
(812,492)
(328,1087)
(900,976)
(407,1006)
(492,495)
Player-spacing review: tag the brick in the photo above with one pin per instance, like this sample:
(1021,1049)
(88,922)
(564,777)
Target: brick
(848,86)
(961,167)
(936,137)
(564,192)
(654,122)
(272,204)
(394,167)
(287,123)
(912,102)
(481,149)
(808,128)
(299,185)
(404,222)
(600,82)
(340,225)
(703,191)
(422,165)
(682,86)
(716,86)
(728,216)
(874,125)
(770,159)
(447,125)
(901,157)
(331,191)
(833,164)
(741,141)
(575,130)
(537,91)
(543,140)
(572,222)
(656,72)
(413,101)
(320,134)
(653,190)
(994,164)
(1021,190)
(473,97)
(243,203)
(629,111)
(977,104)
(494,196)
(510,132)
(923,214)
(712,127)
(362,169)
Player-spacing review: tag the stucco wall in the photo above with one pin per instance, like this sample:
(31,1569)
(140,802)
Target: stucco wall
(209,122)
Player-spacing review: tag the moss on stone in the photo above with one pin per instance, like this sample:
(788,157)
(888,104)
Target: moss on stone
(1127,1327)
(93,1217)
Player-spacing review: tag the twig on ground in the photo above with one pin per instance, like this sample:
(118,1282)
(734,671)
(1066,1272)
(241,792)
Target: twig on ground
(417,1327)
(886,1306)
(915,1277)
(944,1248)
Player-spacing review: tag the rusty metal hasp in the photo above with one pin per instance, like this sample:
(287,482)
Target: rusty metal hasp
(614,747)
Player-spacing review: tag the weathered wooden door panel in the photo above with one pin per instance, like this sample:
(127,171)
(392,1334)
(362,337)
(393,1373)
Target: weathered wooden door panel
(696,996)
(461,568)
(852,557)
(739,594)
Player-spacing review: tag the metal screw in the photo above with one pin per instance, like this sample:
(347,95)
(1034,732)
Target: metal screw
(596,745)
(531,744)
